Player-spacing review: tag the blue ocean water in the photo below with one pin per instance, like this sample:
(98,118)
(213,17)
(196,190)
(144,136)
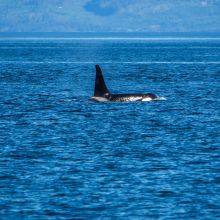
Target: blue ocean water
(64,156)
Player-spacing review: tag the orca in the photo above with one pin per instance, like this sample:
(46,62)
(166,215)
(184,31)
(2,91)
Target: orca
(102,94)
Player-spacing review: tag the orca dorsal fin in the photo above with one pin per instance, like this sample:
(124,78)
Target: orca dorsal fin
(100,87)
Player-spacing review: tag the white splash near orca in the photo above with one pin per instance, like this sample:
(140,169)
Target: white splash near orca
(102,94)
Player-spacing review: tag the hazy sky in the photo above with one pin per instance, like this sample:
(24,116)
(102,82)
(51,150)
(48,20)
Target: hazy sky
(110,15)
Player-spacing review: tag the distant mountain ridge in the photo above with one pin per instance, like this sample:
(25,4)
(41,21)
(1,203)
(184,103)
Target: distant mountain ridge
(109,15)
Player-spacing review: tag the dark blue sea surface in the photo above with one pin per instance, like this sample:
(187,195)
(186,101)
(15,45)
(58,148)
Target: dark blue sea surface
(64,156)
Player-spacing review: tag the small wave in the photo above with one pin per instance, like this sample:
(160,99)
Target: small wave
(161,98)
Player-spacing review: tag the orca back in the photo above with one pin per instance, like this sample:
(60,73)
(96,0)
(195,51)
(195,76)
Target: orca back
(100,87)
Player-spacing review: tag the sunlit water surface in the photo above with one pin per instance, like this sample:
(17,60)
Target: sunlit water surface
(65,156)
